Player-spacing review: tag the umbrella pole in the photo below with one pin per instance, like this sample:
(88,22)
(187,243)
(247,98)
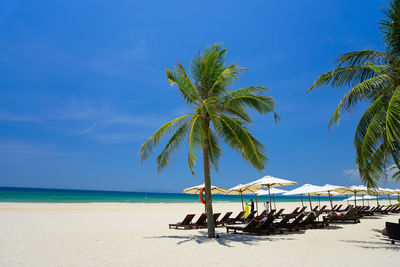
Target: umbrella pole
(390,202)
(257,204)
(309,200)
(377,200)
(319,202)
(301,196)
(368,202)
(241,196)
(355,199)
(330,199)
(363,199)
(273,196)
(270,204)
(347,200)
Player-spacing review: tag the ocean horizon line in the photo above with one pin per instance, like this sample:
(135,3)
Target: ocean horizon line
(49,195)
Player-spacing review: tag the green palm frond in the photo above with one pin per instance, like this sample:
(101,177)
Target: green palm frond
(215,150)
(349,76)
(391,28)
(172,145)
(194,141)
(179,78)
(363,57)
(363,91)
(374,78)
(147,147)
(237,136)
(393,118)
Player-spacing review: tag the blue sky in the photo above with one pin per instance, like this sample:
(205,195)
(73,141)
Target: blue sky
(83,84)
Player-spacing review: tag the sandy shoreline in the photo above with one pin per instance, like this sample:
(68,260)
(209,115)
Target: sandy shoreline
(101,234)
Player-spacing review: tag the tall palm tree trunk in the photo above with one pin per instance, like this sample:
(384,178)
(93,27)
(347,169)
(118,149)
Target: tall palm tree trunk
(207,180)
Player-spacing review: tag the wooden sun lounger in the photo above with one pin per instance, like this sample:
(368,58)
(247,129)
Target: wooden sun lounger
(279,213)
(242,227)
(250,217)
(238,218)
(225,219)
(337,208)
(294,212)
(349,216)
(294,224)
(185,224)
(201,221)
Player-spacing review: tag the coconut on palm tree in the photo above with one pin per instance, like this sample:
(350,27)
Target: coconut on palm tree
(217,113)
(374,77)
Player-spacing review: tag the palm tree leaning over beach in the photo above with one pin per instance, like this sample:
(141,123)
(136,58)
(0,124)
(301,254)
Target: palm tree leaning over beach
(374,77)
(217,113)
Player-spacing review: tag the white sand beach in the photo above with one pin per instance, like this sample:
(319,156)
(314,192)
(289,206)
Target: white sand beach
(95,234)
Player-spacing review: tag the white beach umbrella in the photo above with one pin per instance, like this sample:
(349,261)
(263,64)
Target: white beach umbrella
(366,197)
(241,189)
(196,189)
(305,189)
(273,191)
(328,191)
(388,191)
(270,181)
(355,189)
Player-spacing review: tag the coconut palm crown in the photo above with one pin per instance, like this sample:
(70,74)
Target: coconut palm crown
(374,77)
(217,113)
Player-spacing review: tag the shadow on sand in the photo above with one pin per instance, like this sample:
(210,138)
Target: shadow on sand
(230,239)
(227,239)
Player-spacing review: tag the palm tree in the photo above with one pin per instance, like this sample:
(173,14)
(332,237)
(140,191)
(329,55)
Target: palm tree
(216,113)
(374,77)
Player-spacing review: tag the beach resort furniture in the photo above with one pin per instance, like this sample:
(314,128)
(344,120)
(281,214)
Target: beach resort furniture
(238,218)
(294,212)
(185,224)
(310,221)
(347,217)
(250,217)
(337,208)
(225,219)
(279,213)
(201,221)
(323,209)
(329,210)
(259,225)
(242,227)
(295,224)
(393,231)
(302,210)
(216,216)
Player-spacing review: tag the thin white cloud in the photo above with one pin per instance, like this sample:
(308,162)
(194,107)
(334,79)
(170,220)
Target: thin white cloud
(91,128)
(23,150)
(11,117)
(353,174)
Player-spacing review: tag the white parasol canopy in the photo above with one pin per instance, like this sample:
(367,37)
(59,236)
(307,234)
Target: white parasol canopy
(262,192)
(366,197)
(272,191)
(356,190)
(270,181)
(328,191)
(196,189)
(305,189)
(241,189)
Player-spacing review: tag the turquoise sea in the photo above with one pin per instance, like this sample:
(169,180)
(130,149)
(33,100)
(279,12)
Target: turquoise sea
(11,194)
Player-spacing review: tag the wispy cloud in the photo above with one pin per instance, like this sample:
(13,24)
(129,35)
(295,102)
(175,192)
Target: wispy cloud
(12,117)
(28,151)
(353,174)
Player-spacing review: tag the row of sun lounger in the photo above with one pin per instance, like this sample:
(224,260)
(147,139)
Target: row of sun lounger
(275,222)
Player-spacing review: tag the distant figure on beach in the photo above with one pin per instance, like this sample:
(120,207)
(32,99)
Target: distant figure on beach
(251,205)
(266,206)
